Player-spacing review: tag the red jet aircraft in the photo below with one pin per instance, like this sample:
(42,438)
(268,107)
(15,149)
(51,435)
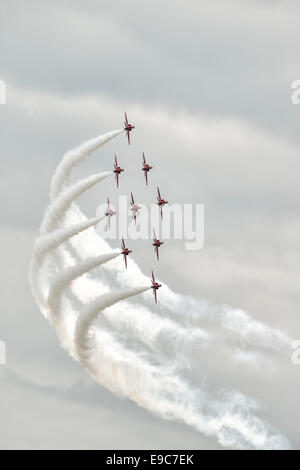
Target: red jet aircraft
(125,252)
(128,128)
(109,212)
(160,202)
(118,170)
(146,168)
(134,208)
(156,243)
(155,286)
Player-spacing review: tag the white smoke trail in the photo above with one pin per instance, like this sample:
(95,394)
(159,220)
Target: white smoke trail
(55,239)
(163,392)
(223,428)
(160,389)
(89,315)
(47,243)
(58,208)
(188,311)
(239,419)
(60,284)
(69,274)
(251,331)
(76,156)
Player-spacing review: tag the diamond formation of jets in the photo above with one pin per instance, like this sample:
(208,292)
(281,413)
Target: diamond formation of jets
(134,208)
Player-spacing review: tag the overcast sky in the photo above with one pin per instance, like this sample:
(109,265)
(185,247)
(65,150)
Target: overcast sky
(209,89)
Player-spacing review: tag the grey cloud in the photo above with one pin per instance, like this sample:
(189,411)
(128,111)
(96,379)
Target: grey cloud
(238,61)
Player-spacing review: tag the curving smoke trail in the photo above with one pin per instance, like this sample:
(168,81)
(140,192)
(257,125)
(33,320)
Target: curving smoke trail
(144,374)
(59,207)
(76,156)
(69,274)
(85,343)
(45,244)
(55,239)
(251,331)
(230,417)
(61,283)
(185,310)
